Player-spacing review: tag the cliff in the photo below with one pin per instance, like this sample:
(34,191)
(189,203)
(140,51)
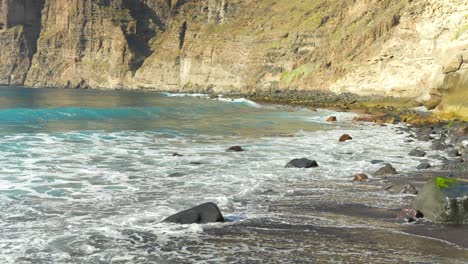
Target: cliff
(401,48)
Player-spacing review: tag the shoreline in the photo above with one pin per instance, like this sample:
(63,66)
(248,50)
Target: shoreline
(322,221)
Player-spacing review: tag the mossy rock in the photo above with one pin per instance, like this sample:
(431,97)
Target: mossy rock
(444,200)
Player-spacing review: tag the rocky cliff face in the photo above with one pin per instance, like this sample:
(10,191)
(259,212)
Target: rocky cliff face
(410,48)
(19,29)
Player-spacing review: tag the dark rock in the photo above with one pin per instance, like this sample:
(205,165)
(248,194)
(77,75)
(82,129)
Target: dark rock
(417,153)
(410,215)
(196,163)
(444,200)
(388,187)
(456,160)
(376,161)
(423,166)
(331,119)
(344,138)
(200,214)
(177,155)
(453,153)
(301,163)
(387,169)
(269,192)
(360,177)
(235,149)
(409,189)
(176,175)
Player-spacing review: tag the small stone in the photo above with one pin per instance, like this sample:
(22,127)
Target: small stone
(387,169)
(376,161)
(410,215)
(423,166)
(409,189)
(344,138)
(177,155)
(301,163)
(417,153)
(235,149)
(360,177)
(331,119)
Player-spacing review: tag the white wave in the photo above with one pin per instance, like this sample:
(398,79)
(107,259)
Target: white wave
(185,95)
(243,101)
(117,181)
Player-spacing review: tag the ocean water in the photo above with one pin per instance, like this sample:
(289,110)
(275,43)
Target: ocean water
(87,176)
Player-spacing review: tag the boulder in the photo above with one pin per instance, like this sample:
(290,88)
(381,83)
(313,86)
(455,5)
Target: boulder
(453,65)
(423,166)
(387,169)
(200,214)
(331,119)
(360,177)
(444,200)
(344,138)
(235,149)
(301,163)
(417,153)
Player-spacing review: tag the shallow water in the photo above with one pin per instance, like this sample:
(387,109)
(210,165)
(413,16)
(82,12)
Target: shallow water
(86,177)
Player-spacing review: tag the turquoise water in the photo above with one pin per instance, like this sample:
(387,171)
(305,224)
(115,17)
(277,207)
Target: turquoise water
(87,176)
(54,110)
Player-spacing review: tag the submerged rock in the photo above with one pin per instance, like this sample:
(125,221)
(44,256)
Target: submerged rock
(176,175)
(177,155)
(235,149)
(438,145)
(453,153)
(387,169)
(331,119)
(400,188)
(417,153)
(345,137)
(301,163)
(360,177)
(376,161)
(423,166)
(200,214)
(444,200)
